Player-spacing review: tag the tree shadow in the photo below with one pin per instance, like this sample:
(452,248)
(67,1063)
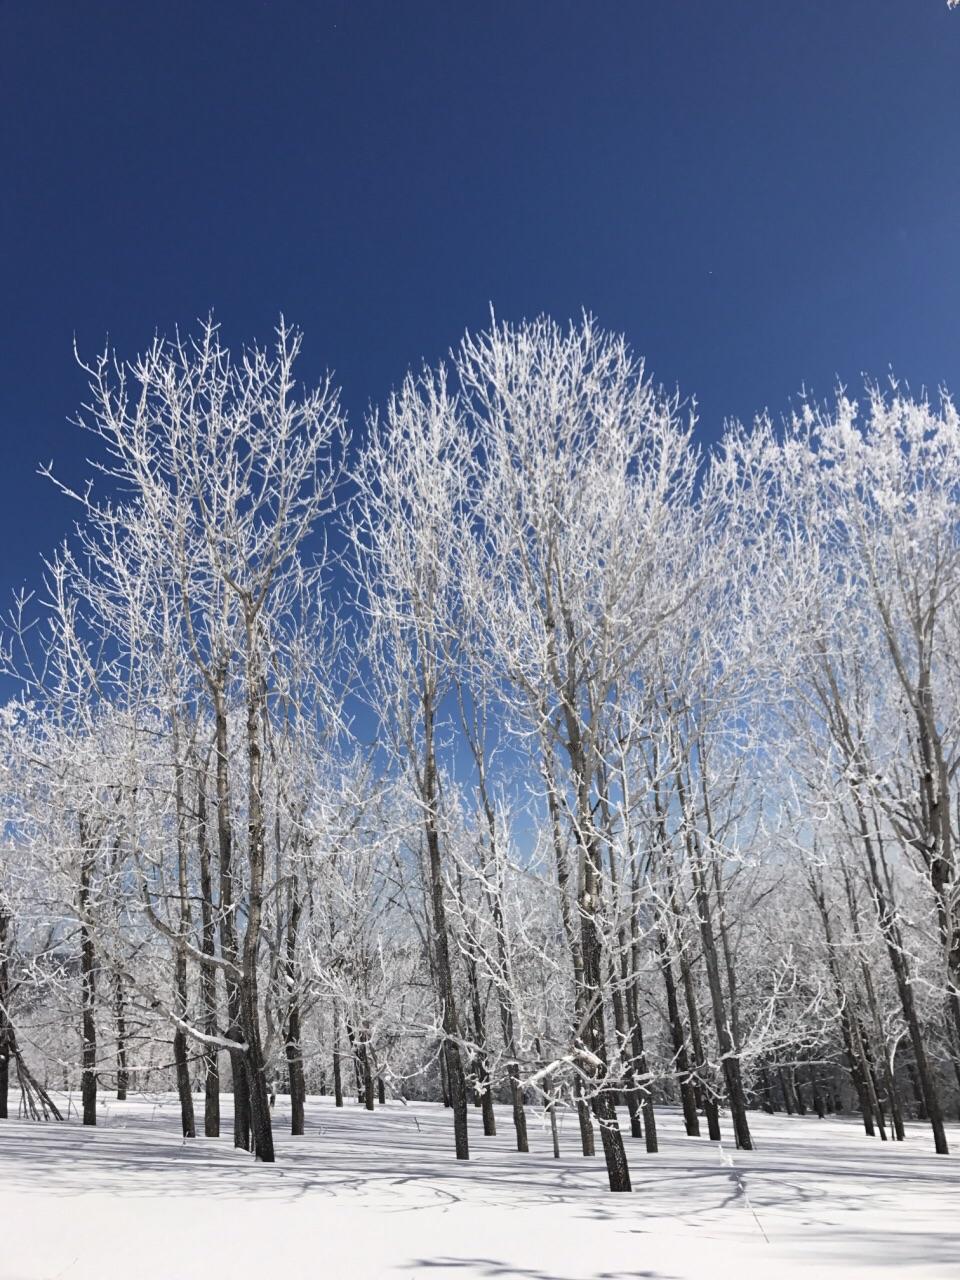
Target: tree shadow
(808,1186)
(496,1270)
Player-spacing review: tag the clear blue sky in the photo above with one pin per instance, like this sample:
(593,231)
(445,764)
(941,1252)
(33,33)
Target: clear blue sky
(760,194)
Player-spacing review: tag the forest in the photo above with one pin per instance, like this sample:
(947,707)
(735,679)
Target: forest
(517,745)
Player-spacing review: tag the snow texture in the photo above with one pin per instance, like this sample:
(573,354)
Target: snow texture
(380,1195)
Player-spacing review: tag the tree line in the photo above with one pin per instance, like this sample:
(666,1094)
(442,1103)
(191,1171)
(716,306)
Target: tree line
(521,749)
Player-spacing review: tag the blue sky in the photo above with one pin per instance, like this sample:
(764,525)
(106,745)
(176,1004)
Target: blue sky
(761,195)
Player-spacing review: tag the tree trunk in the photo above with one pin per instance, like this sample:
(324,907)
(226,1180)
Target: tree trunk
(729,1058)
(184,1092)
(623,991)
(337,1074)
(591,945)
(119,1013)
(631,1092)
(917,1091)
(594,1038)
(768,1103)
(261,1127)
(505,1003)
(229,945)
(6,1031)
(260,1118)
(710,1109)
(366,1075)
(292,1039)
(88,985)
(797,1086)
(816,1091)
(356,1058)
(786,1087)
(690,1118)
(898,962)
(295,1071)
(584,1118)
(859,1072)
(862,1041)
(208,972)
(448,1010)
(640,1057)
(444,1082)
(484,1093)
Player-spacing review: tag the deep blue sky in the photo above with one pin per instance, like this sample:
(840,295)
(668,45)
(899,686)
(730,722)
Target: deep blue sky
(760,194)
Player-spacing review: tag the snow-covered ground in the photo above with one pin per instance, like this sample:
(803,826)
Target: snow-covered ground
(380,1195)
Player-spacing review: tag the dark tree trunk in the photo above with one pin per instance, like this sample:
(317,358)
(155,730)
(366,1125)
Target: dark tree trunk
(357,1060)
(88,986)
(591,945)
(892,1093)
(631,1094)
(640,1057)
(797,1087)
(261,1124)
(890,930)
(368,1090)
(636,1024)
(893,1097)
(786,1087)
(295,1071)
(507,1023)
(456,1083)
(729,1038)
(229,944)
(293,1047)
(485,1099)
(444,1082)
(860,1075)
(688,1100)
(119,1013)
(767,1086)
(817,1092)
(184,1092)
(858,1067)
(240,1085)
(584,1119)
(337,1074)
(917,1091)
(618,1173)
(208,972)
(624,996)
(869,1074)
(504,986)
(483,1092)
(729,1056)
(6,1031)
(710,1109)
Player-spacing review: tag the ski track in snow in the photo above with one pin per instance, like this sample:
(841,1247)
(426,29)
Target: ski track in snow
(365,1195)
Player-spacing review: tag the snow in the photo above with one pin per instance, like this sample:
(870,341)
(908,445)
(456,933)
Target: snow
(365,1195)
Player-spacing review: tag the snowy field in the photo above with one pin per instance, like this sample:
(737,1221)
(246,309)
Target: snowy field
(380,1195)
